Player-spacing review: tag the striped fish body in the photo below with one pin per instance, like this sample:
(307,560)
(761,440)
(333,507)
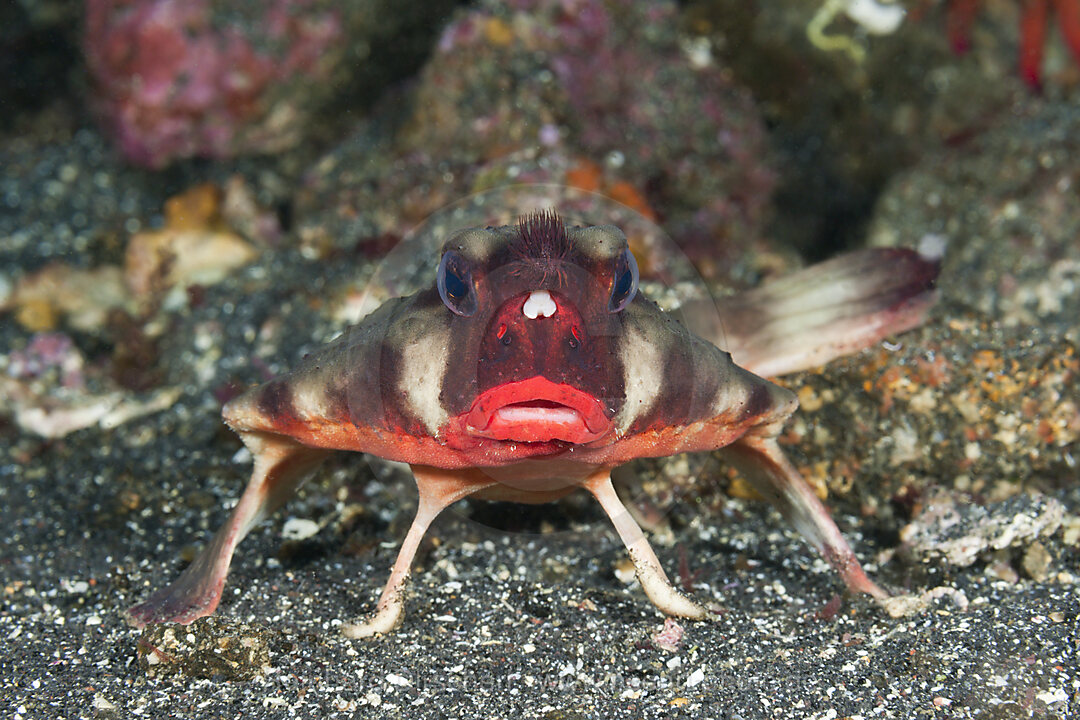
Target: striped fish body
(533,367)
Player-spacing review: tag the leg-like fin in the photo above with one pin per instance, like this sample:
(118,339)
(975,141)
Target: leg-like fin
(651,575)
(825,311)
(761,461)
(438,489)
(281,465)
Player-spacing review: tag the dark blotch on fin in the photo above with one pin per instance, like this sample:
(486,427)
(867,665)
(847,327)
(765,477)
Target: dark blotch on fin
(759,402)
(910,276)
(276,401)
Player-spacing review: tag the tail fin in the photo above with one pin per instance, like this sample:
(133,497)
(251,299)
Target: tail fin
(828,310)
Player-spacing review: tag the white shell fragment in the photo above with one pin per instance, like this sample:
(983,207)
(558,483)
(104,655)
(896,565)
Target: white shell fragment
(299,529)
(878,18)
(539,303)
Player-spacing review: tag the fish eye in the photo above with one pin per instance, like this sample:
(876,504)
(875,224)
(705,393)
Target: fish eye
(455,285)
(624,285)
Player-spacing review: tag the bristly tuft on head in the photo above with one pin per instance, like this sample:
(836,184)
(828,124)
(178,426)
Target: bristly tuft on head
(542,236)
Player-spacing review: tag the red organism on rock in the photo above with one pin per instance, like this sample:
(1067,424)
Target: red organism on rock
(1034,18)
(211,78)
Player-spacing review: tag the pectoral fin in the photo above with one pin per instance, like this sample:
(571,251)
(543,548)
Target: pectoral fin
(654,581)
(438,489)
(763,464)
(281,466)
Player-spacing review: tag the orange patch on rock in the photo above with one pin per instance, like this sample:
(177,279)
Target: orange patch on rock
(587,175)
(196,246)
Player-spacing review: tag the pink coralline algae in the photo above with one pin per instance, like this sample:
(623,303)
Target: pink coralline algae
(183,78)
(45,352)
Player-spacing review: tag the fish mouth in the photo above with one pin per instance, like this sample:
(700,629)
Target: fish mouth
(537,410)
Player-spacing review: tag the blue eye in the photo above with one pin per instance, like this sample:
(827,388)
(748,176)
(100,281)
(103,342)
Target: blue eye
(624,285)
(455,284)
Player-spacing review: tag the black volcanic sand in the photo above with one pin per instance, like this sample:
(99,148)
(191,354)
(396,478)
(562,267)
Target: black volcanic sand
(527,612)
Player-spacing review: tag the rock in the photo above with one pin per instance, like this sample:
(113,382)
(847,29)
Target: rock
(215,78)
(961,403)
(1005,201)
(603,98)
(208,648)
(178,79)
(952,529)
(58,291)
(846,107)
(55,413)
(196,246)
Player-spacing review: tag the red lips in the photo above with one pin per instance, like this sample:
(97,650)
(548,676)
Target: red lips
(537,410)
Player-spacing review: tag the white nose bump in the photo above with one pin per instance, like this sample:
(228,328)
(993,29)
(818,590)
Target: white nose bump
(539,303)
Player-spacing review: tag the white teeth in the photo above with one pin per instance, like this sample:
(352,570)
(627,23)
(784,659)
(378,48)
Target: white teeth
(539,303)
